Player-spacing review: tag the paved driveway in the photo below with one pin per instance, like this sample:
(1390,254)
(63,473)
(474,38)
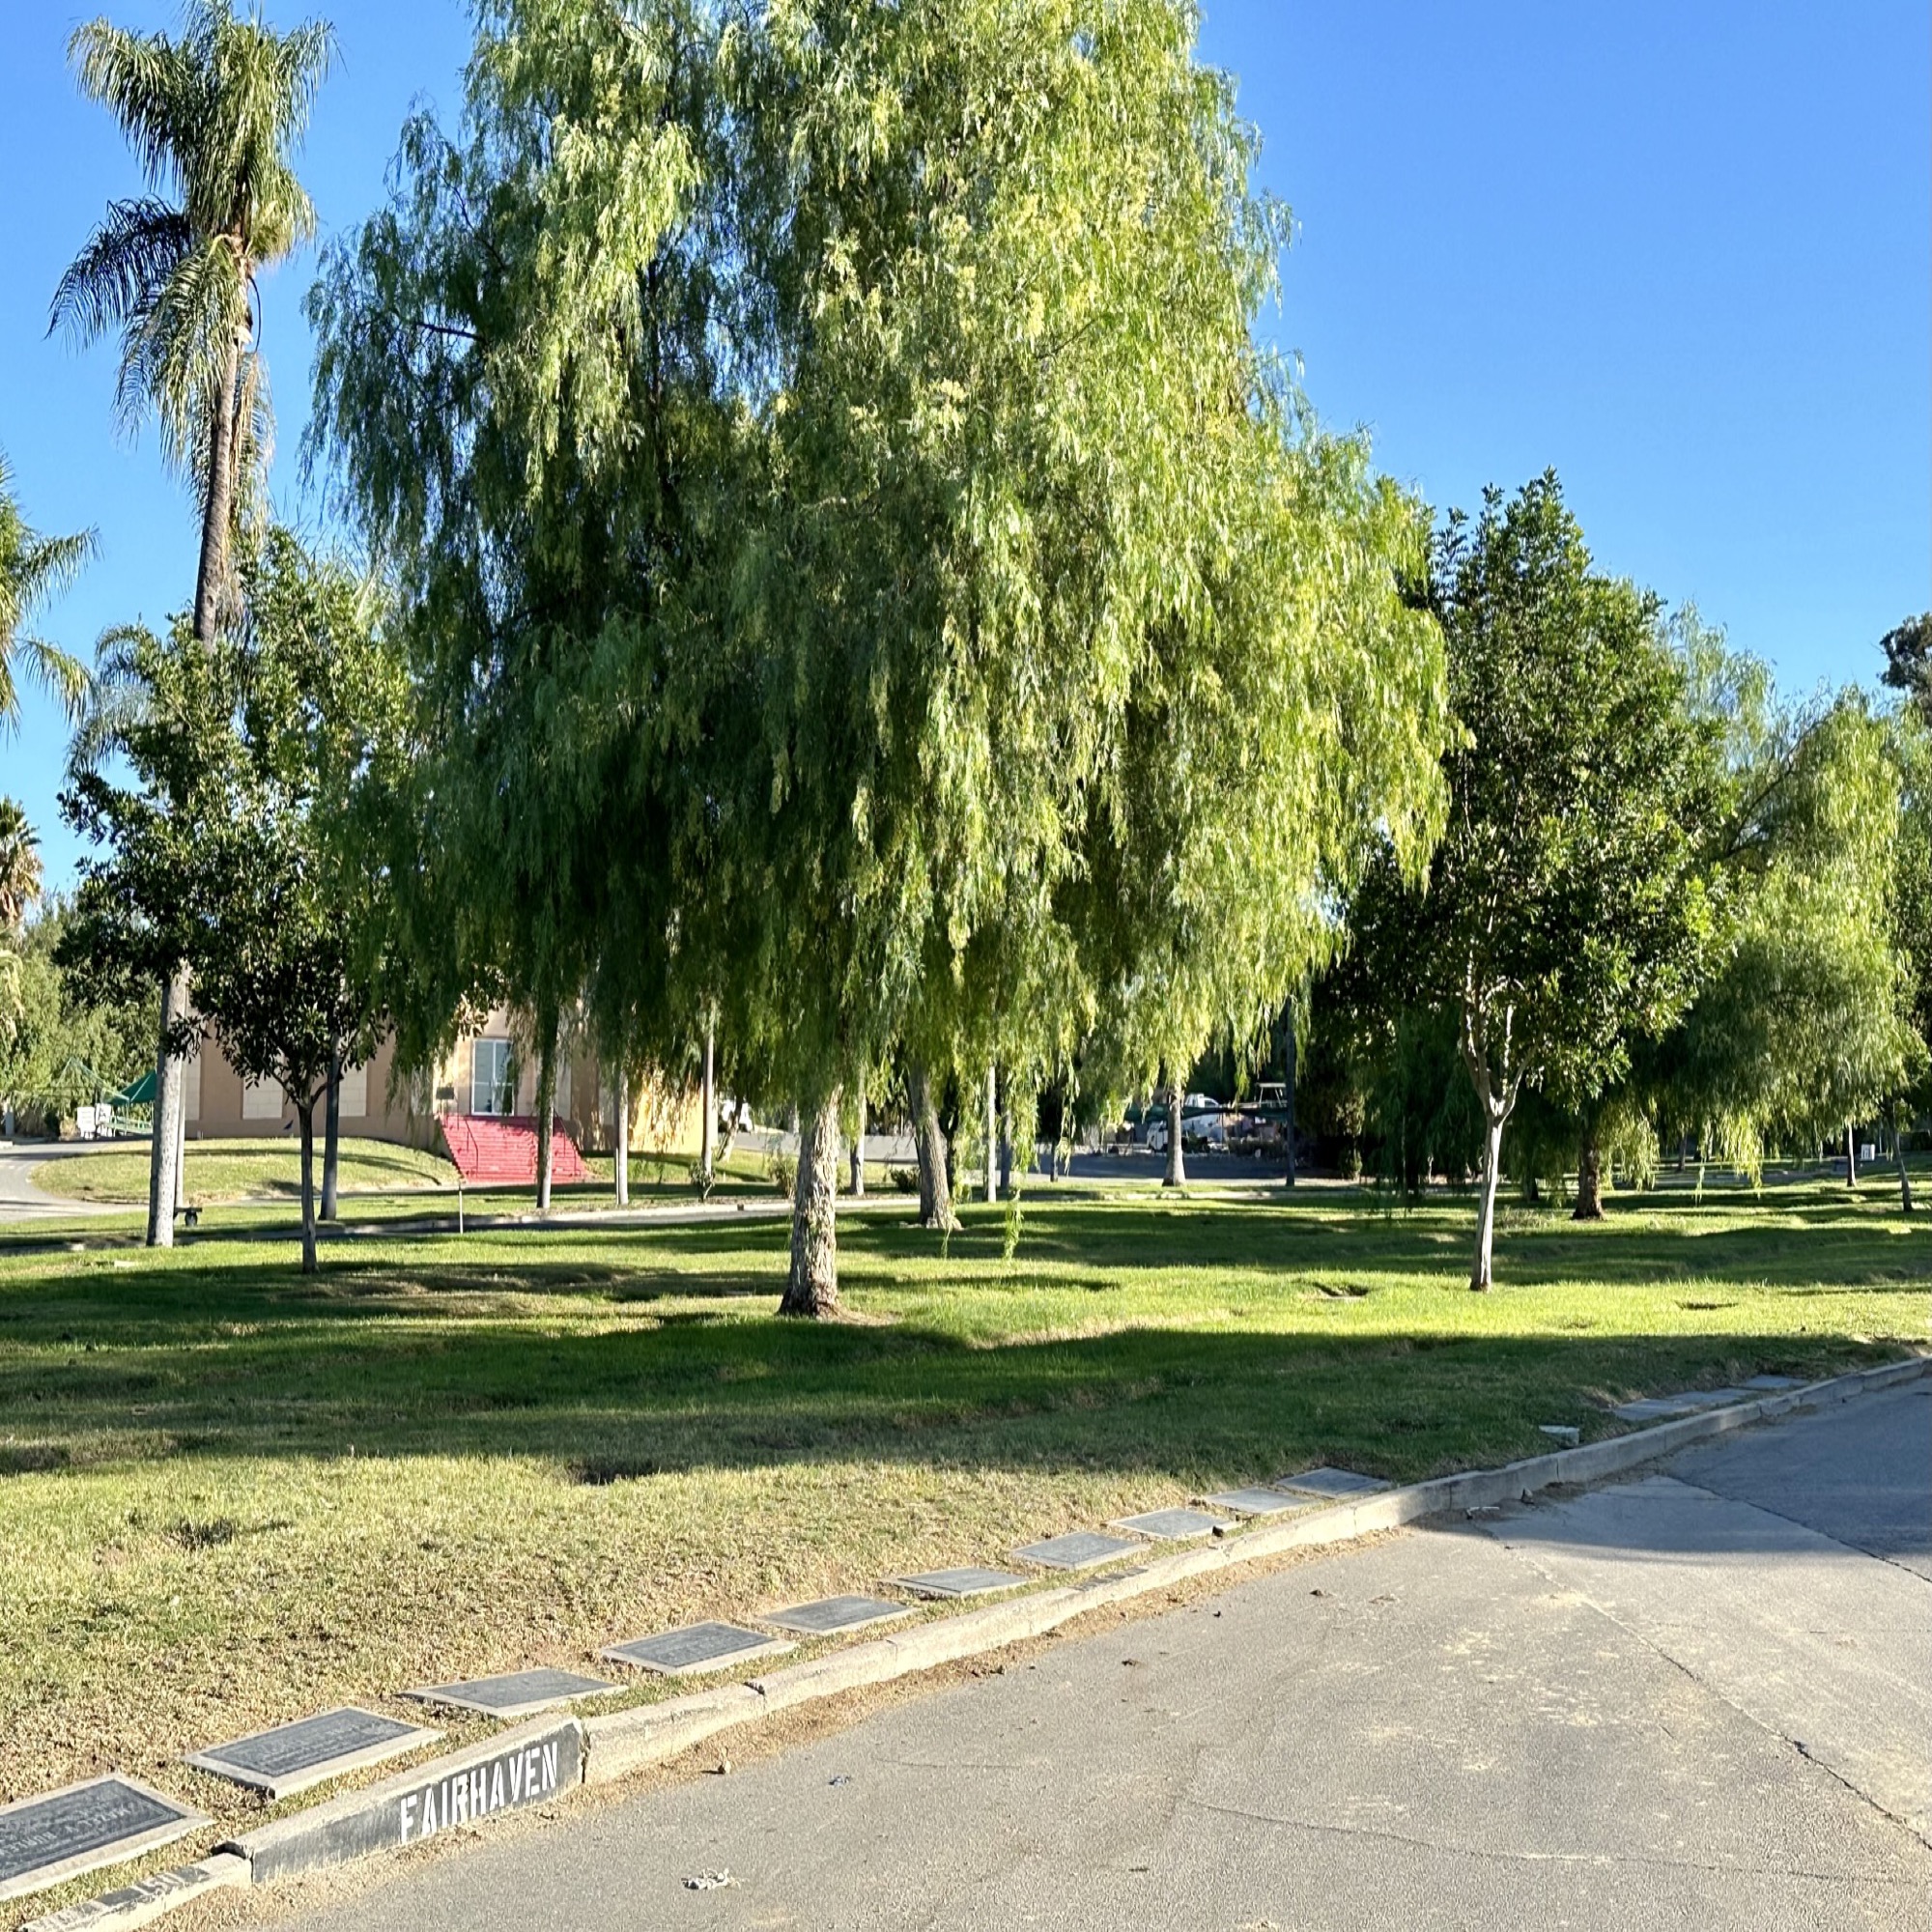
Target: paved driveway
(1698,1699)
(22,1201)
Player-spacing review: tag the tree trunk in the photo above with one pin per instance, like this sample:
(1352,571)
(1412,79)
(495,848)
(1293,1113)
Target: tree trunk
(218,502)
(859,1154)
(181,1142)
(546,1112)
(1005,1153)
(164,1149)
(989,1182)
(707,1128)
(1589,1181)
(936,1190)
(812,1286)
(1177,1162)
(331,1140)
(305,1114)
(1851,1155)
(620,1151)
(1904,1172)
(1481,1275)
(1287,1095)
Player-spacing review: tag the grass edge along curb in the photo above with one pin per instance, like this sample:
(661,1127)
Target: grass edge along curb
(602,1749)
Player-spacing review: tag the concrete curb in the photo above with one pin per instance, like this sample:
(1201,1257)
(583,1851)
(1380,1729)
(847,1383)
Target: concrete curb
(465,1786)
(147,1898)
(515,1769)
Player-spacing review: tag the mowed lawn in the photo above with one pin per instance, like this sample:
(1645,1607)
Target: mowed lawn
(230,1496)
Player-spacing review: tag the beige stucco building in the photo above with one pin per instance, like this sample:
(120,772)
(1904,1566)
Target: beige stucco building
(488,1074)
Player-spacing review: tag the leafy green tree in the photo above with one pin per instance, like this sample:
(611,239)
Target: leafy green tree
(213,115)
(64,1051)
(32,569)
(1908,660)
(1566,910)
(1805,1025)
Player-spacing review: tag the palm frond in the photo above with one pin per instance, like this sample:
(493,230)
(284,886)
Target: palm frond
(113,282)
(153,87)
(118,699)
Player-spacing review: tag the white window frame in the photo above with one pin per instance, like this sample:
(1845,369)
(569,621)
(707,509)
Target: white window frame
(492,1094)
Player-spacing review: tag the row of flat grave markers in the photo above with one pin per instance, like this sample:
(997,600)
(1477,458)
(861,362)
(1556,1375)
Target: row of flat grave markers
(106,1821)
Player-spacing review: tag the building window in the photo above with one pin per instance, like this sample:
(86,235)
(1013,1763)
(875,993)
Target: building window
(492,1077)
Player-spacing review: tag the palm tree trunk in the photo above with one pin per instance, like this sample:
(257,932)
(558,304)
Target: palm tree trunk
(331,1140)
(1176,1159)
(707,1128)
(811,1285)
(859,1154)
(164,1151)
(219,502)
(305,1114)
(620,1139)
(936,1190)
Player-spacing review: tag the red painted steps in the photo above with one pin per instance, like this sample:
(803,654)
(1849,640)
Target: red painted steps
(502,1153)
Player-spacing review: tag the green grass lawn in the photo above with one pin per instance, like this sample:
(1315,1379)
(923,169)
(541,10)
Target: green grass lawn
(239,1170)
(230,1495)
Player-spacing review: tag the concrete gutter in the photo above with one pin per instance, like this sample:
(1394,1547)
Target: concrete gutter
(461,1786)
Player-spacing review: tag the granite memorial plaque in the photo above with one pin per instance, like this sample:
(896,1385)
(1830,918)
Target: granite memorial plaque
(517,1694)
(830,1614)
(1332,1485)
(82,1827)
(292,1758)
(1077,1549)
(711,1646)
(1258,1501)
(1172,1526)
(967,1583)
(1662,1408)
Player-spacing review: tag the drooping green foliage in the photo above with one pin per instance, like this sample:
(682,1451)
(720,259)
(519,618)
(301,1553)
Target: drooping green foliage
(818,446)
(1804,1024)
(1908,660)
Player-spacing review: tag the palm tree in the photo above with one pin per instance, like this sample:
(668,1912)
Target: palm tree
(19,866)
(32,568)
(212,115)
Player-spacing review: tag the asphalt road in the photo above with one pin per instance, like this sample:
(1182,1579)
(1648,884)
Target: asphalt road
(1699,1699)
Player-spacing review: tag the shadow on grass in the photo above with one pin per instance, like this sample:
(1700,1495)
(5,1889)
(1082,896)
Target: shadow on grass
(619,1354)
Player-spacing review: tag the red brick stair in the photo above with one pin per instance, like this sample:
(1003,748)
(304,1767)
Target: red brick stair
(491,1153)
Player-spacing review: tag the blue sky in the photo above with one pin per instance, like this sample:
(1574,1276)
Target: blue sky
(1683,254)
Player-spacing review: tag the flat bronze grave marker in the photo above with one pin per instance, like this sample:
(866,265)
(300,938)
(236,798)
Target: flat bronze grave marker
(1332,1485)
(1172,1526)
(290,1757)
(828,1615)
(1258,1501)
(102,1821)
(967,1583)
(708,1646)
(1077,1549)
(516,1693)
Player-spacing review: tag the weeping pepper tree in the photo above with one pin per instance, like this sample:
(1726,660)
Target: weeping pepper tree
(522,373)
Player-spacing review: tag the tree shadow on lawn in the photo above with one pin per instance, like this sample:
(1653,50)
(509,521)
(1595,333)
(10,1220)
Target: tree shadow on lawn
(1191,1407)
